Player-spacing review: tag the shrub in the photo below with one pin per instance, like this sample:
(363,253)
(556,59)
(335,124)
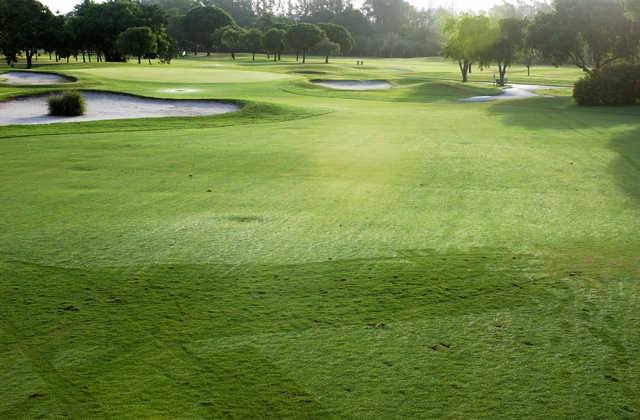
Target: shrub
(613,85)
(67,104)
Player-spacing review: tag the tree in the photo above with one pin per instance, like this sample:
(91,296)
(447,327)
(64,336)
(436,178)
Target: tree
(253,41)
(507,45)
(139,42)
(467,40)
(200,25)
(231,39)
(326,48)
(274,42)
(339,35)
(590,33)
(303,36)
(167,49)
(25,24)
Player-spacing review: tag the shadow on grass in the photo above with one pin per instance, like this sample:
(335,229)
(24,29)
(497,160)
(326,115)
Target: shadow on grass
(131,326)
(591,123)
(561,113)
(626,168)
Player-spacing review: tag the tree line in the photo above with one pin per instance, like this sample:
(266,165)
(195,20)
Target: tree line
(117,29)
(590,34)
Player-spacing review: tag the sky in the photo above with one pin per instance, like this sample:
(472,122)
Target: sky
(64,6)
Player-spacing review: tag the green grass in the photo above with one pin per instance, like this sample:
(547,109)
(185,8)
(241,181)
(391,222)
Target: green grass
(322,253)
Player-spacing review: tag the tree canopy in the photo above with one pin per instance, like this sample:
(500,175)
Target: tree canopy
(303,37)
(138,41)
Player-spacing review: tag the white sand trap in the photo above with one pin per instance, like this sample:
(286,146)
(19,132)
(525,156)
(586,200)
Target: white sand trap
(513,91)
(32,78)
(353,84)
(179,90)
(108,106)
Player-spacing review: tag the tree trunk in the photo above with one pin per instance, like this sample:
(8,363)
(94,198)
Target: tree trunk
(326,59)
(89,55)
(233,55)
(502,69)
(83,58)
(529,70)
(139,59)
(29,55)
(149,60)
(275,56)
(464,69)
(304,56)
(279,57)
(297,55)
(253,57)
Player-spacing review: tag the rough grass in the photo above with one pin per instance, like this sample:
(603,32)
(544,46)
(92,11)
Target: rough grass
(321,253)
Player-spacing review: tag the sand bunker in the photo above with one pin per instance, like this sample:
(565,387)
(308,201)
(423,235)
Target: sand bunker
(32,78)
(512,91)
(108,106)
(353,84)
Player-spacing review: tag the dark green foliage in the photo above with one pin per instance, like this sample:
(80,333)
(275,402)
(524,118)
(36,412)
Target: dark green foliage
(230,38)
(253,41)
(138,42)
(98,25)
(25,26)
(304,36)
(326,48)
(613,85)
(588,33)
(508,44)
(167,48)
(68,104)
(274,41)
(339,35)
(201,23)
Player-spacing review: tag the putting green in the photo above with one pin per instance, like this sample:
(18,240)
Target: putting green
(321,253)
(176,74)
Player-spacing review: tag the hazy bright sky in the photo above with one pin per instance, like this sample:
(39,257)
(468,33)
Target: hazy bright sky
(64,6)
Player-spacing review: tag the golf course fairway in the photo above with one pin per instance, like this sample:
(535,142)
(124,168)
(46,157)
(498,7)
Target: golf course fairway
(321,253)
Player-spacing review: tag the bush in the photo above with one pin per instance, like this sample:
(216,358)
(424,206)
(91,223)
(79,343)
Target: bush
(67,104)
(613,85)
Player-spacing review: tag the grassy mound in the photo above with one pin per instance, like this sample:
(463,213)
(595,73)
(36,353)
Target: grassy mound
(68,104)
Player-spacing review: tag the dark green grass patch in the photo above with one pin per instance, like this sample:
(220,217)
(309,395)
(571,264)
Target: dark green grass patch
(220,340)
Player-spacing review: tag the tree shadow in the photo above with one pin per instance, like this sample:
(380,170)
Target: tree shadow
(621,125)
(626,167)
(560,113)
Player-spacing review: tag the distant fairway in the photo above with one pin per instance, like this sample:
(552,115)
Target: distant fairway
(176,74)
(322,253)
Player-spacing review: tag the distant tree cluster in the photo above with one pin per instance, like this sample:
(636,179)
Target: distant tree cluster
(588,33)
(210,28)
(385,28)
(107,31)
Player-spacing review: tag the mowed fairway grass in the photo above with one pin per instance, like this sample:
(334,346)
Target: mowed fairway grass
(322,253)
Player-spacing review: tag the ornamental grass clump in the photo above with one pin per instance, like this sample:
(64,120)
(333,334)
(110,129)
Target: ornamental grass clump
(67,104)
